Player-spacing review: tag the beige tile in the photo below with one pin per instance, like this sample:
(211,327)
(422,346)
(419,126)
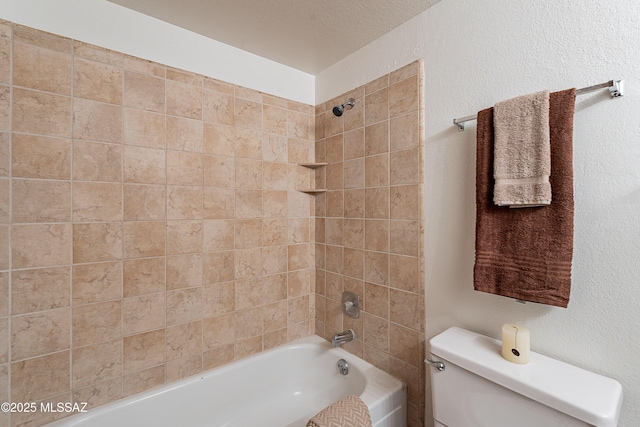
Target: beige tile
(298,204)
(404,131)
(275,120)
(5,155)
(184,305)
(335,149)
(405,309)
(248,114)
(184,100)
(274,149)
(5,60)
(377,84)
(353,263)
(404,344)
(402,73)
(218,86)
(100,393)
(218,331)
(298,283)
(184,168)
(144,92)
(298,256)
(246,93)
(298,150)
(97,81)
(376,300)
(299,125)
(248,173)
(40,289)
(377,170)
(44,417)
(376,138)
(377,358)
(248,323)
(7,246)
(41,377)
(184,134)
(298,310)
(143,351)
(143,276)
(40,157)
(332,125)
(5,201)
(96,363)
(335,176)
(335,203)
(405,202)
(354,203)
(41,201)
(334,258)
(218,203)
(145,202)
(218,108)
(275,316)
(405,167)
(354,173)
(274,339)
(376,235)
(299,230)
(143,66)
(248,263)
(94,323)
(248,144)
(184,271)
(5,110)
(218,235)
(39,245)
(376,106)
(184,77)
(275,176)
(248,233)
(97,201)
(276,204)
(274,288)
(405,237)
(36,334)
(218,139)
(353,236)
(246,348)
(97,121)
(97,53)
(144,239)
(249,203)
(39,113)
(219,171)
(274,260)
(184,237)
(184,202)
(218,356)
(248,293)
(184,340)
(144,165)
(144,128)
(334,231)
(97,242)
(137,382)
(4,294)
(376,332)
(218,299)
(42,69)
(184,367)
(274,231)
(96,282)
(404,96)
(404,273)
(97,162)
(377,202)
(376,268)
(143,313)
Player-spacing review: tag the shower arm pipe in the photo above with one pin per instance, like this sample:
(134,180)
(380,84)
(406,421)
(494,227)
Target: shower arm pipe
(615,88)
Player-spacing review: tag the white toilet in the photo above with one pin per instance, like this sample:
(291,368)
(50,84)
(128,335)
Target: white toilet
(478,388)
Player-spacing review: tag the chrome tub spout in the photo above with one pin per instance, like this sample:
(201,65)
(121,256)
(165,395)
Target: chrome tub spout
(342,337)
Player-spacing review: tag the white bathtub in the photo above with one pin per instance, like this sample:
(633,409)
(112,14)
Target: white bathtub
(282,387)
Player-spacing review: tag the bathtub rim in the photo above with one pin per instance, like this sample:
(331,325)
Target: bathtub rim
(372,395)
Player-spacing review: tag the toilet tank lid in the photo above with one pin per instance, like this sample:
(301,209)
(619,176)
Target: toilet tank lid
(584,395)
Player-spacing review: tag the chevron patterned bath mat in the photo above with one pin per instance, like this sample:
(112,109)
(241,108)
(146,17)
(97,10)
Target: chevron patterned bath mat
(348,412)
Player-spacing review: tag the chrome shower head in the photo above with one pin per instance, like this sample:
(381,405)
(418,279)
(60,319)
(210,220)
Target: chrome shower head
(339,109)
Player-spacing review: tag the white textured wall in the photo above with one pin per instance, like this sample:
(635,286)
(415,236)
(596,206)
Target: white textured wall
(112,26)
(478,53)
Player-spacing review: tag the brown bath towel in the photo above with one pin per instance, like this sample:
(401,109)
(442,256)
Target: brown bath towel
(348,412)
(526,253)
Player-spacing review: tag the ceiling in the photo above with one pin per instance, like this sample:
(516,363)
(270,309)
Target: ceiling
(308,35)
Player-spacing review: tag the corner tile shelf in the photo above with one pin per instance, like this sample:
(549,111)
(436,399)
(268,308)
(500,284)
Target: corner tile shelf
(312,190)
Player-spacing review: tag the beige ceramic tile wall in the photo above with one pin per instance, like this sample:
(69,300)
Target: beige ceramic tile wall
(149,223)
(369,225)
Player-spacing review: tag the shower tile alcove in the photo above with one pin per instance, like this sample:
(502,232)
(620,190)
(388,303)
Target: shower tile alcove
(369,225)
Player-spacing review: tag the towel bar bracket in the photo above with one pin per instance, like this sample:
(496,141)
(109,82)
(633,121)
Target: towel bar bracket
(617,89)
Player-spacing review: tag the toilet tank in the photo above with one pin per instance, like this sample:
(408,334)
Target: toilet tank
(481,389)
